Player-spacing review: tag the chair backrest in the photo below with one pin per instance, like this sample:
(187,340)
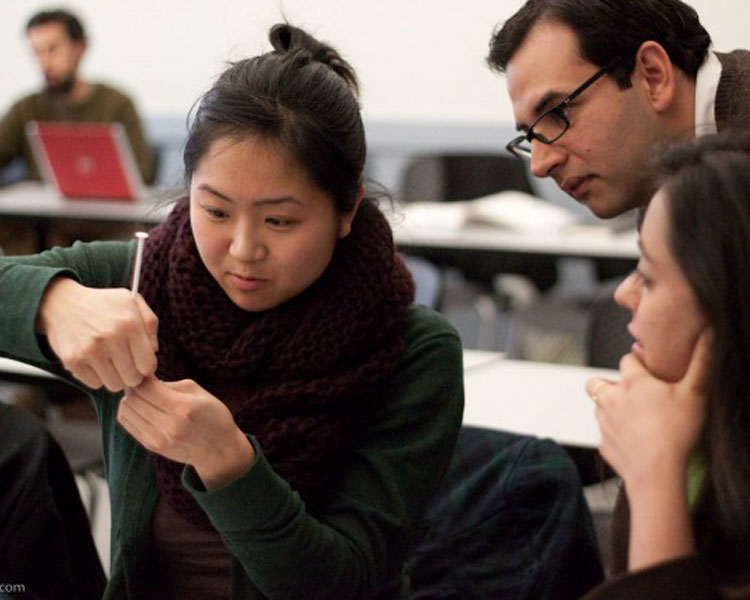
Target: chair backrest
(42,502)
(548,331)
(607,337)
(15,171)
(156,152)
(446,177)
(428,281)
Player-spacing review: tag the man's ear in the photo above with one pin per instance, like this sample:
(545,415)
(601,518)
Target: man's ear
(345,226)
(654,74)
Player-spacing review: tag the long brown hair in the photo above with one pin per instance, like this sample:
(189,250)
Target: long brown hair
(707,184)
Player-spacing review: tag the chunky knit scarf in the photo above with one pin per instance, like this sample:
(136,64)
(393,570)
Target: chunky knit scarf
(295,376)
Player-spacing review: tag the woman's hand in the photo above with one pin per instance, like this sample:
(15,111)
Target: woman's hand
(104,337)
(183,422)
(650,427)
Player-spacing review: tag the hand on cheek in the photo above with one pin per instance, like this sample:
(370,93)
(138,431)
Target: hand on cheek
(650,427)
(184,423)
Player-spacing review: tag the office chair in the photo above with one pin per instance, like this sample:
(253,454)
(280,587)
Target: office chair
(447,177)
(451,177)
(14,172)
(607,336)
(428,281)
(548,331)
(45,540)
(466,176)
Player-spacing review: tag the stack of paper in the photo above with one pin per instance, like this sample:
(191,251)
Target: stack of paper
(513,210)
(520,212)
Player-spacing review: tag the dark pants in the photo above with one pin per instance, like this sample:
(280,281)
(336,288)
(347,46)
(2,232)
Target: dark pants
(510,521)
(45,539)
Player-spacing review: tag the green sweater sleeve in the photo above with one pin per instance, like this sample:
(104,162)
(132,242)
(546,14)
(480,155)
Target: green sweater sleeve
(24,279)
(355,545)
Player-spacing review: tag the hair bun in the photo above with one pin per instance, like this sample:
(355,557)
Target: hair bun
(286,38)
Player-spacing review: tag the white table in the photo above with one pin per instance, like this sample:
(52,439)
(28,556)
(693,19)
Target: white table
(539,399)
(42,204)
(37,201)
(593,240)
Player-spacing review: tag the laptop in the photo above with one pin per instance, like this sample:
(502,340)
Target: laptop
(86,160)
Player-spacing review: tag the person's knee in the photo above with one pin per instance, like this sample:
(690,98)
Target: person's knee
(564,474)
(19,429)
(545,478)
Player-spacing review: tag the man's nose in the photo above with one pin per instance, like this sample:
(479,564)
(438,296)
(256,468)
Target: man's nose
(545,158)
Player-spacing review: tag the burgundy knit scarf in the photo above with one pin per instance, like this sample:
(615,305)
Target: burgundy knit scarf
(296,376)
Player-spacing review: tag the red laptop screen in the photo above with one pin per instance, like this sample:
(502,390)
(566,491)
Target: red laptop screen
(87,160)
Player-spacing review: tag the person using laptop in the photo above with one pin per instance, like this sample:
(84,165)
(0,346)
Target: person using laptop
(58,42)
(675,424)
(594,84)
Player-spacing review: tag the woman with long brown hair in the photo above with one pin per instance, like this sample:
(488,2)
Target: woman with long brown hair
(675,426)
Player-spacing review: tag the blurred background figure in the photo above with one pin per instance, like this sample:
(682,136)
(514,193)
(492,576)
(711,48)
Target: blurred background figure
(59,43)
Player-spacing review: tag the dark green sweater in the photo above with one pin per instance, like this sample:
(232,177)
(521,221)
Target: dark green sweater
(104,105)
(355,545)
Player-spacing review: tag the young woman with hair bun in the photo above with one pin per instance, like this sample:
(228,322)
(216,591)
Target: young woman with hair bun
(276,413)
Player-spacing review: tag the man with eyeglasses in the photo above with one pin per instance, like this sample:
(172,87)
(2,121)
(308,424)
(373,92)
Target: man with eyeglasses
(596,83)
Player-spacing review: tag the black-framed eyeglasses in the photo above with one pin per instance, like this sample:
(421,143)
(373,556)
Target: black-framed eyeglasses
(552,124)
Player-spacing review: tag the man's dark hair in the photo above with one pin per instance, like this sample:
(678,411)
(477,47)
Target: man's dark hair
(606,29)
(67,19)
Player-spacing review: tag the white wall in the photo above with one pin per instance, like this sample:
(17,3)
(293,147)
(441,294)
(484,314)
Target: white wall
(419,60)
